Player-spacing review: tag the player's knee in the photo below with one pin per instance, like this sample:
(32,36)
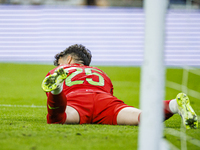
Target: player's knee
(72,116)
(128,116)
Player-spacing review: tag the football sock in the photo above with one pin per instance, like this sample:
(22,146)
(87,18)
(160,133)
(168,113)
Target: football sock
(167,111)
(56,105)
(173,106)
(58,90)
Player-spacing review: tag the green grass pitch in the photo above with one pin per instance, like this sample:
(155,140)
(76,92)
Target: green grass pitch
(24,127)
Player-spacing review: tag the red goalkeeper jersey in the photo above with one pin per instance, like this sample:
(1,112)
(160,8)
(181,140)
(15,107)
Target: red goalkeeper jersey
(85,79)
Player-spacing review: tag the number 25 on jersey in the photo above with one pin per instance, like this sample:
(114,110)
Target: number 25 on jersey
(88,71)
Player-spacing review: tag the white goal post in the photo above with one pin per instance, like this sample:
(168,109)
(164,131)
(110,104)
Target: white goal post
(153,77)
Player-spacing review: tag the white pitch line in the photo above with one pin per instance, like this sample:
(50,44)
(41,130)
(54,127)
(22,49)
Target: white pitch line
(189,138)
(30,106)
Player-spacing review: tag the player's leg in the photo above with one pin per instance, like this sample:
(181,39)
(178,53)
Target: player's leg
(181,105)
(72,116)
(170,111)
(111,110)
(57,107)
(128,116)
(131,116)
(80,107)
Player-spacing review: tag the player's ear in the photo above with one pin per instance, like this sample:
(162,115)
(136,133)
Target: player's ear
(69,59)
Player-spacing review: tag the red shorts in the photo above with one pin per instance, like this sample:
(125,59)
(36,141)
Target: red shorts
(96,108)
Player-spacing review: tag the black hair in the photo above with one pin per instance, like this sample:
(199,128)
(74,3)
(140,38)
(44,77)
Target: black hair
(79,53)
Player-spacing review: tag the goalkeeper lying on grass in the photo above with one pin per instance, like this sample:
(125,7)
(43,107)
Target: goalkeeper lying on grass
(80,94)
